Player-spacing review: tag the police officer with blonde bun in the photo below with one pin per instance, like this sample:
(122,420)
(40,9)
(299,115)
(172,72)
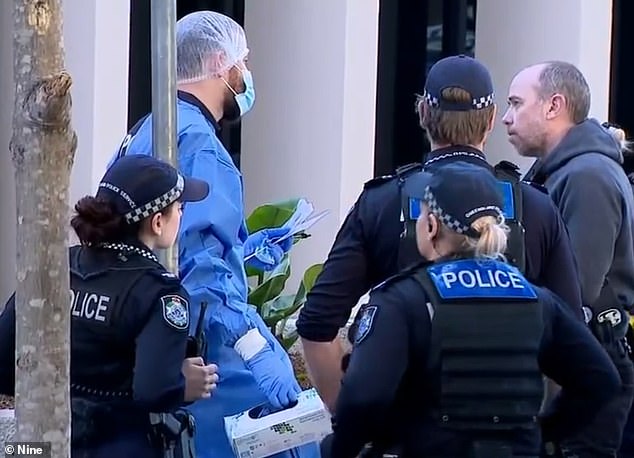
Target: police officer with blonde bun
(448,356)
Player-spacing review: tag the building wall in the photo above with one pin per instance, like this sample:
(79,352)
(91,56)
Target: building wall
(311,132)
(96,44)
(513,34)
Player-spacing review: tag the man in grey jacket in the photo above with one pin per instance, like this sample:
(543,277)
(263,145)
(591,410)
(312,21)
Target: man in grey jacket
(580,163)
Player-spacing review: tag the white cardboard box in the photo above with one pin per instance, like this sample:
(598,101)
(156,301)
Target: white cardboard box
(308,421)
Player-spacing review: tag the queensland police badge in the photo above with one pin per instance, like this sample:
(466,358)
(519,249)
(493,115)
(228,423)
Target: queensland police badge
(175,311)
(365,323)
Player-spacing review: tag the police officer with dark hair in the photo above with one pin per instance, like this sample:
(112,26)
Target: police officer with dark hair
(376,240)
(448,356)
(129,317)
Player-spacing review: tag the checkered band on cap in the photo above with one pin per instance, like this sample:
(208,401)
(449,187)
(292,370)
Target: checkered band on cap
(446,219)
(477,104)
(158,204)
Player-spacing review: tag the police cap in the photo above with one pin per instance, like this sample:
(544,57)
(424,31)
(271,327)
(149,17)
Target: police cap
(462,72)
(139,186)
(458,194)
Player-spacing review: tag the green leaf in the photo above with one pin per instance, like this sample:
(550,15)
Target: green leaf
(307,283)
(277,309)
(271,215)
(311,274)
(272,285)
(287,342)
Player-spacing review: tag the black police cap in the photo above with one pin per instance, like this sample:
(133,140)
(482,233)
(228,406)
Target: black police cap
(139,186)
(458,194)
(463,72)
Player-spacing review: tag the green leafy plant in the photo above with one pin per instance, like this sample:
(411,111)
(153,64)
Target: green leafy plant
(267,289)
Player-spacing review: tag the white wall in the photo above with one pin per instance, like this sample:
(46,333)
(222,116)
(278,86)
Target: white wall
(98,62)
(96,42)
(311,132)
(512,34)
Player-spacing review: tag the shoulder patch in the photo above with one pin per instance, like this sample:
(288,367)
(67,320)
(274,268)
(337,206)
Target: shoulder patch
(365,323)
(175,311)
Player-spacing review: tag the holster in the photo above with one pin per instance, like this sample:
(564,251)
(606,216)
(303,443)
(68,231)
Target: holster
(609,324)
(88,422)
(629,337)
(174,433)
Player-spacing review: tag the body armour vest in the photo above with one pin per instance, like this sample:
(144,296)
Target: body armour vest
(102,293)
(487,326)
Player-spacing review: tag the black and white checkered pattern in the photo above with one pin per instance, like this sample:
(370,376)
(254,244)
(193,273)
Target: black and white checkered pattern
(455,154)
(156,205)
(483,102)
(125,248)
(430,99)
(445,218)
(477,104)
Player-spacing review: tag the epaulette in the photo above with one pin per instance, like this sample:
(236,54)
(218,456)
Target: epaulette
(166,277)
(406,272)
(401,173)
(406,170)
(374,182)
(540,187)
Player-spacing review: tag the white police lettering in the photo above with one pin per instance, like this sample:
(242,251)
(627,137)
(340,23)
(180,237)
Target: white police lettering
(470,278)
(482,279)
(88,305)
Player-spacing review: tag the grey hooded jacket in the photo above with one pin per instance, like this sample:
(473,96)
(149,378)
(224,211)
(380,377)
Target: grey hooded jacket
(585,177)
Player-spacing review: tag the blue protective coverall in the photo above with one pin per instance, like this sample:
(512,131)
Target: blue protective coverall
(211,264)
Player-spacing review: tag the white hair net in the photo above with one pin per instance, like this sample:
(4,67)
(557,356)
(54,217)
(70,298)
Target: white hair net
(207,44)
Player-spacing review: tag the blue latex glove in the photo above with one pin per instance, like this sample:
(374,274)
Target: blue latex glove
(274,379)
(262,253)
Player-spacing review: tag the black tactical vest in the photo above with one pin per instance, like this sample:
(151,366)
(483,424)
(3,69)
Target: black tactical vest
(103,355)
(487,326)
(509,180)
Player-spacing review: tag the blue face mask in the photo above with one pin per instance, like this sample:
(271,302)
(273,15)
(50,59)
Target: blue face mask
(246,99)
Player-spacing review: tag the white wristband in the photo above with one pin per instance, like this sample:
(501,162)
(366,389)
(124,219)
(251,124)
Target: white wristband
(250,344)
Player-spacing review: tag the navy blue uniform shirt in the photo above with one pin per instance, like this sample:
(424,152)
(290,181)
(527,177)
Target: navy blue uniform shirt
(388,389)
(365,251)
(129,328)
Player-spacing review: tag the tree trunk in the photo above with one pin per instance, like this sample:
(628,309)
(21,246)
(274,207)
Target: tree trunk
(43,148)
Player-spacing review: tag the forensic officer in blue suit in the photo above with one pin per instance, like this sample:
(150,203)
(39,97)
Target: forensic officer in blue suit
(376,240)
(215,84)
(129,316)
(448,356)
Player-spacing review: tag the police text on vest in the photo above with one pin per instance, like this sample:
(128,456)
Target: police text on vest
(91,306)
(482,279)
(477,278)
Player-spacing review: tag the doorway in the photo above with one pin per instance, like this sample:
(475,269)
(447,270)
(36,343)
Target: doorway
(412,37)
(621,87)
